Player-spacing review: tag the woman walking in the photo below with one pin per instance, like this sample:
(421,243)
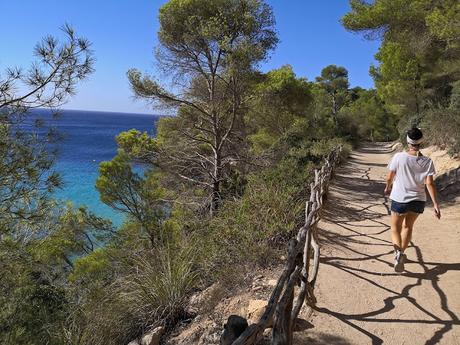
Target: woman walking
(409,172)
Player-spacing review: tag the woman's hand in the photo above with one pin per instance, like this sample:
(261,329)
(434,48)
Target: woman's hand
(432,190)
(387,191)
(437,211)
(389,183)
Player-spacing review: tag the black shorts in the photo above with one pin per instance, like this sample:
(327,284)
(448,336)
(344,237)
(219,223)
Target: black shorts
(416,206)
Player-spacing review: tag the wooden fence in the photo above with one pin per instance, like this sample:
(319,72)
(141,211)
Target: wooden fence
(284,305)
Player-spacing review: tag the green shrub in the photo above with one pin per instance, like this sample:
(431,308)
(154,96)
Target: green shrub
(442,128)
(151,290)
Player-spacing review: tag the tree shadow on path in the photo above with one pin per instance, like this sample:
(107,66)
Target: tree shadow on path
(430,274)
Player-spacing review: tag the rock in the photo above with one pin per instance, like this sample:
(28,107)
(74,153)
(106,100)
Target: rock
(233,328)
(187,336)
(198,333)
(257,288)
(134,342)
(205,300)
(267,333)
(153,337)
(272,282)
(255,310)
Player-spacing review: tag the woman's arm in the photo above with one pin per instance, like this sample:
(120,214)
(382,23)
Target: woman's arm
(389,182)
(433,195)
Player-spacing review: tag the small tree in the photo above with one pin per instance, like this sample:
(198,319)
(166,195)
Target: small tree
(334,80)
(210,48)
(141,199)
(280,101)
(367,114)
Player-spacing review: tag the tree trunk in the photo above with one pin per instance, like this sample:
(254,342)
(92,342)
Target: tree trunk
(334,108)
(216,197)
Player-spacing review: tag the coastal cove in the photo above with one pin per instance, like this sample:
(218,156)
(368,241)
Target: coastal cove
(88,138)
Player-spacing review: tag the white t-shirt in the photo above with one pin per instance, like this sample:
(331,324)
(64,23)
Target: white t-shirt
(409,181)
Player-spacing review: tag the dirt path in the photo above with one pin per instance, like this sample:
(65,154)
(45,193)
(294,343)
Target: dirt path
(361,300)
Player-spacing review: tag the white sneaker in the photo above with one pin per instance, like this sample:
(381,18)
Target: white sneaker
(399,261)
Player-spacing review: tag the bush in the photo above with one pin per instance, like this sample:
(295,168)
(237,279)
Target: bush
(442,128)
(442,124)
(149,288)
(252,228)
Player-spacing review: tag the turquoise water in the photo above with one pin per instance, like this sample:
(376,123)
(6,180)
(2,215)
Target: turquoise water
(88,139)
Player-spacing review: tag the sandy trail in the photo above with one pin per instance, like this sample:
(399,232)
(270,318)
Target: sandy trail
(361,300)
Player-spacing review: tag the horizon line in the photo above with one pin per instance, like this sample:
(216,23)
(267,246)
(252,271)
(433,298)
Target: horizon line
(106,111)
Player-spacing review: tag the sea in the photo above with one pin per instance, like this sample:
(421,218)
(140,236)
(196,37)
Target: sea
(88,138)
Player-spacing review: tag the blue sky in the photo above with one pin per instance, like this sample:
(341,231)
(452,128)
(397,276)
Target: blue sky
(123,35)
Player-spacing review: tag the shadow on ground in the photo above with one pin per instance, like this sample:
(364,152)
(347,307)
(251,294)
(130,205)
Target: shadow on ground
(320,339)
(449,195)
(433,275)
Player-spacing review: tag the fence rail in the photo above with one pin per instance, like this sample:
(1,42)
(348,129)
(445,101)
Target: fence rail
(284,305)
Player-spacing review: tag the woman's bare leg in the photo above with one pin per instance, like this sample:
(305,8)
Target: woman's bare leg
(407,227)
(396,228)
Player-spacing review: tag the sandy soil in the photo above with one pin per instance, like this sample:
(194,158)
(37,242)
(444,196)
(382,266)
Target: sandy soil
(361,300)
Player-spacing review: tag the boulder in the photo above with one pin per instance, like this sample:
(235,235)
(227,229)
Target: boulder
(205,300)
(255,310)
(153,337)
